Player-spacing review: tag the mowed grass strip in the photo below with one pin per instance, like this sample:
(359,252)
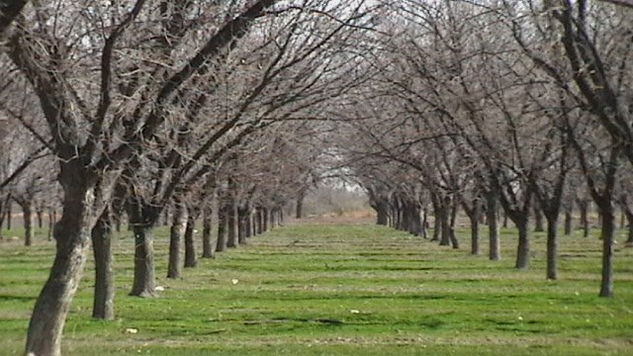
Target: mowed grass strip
(313,289)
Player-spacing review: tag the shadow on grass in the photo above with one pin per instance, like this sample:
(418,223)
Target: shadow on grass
(21,298)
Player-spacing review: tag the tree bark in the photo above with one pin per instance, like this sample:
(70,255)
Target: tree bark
(166,216)
(72,234)
(260,221)
(629,220)
(241,223)
(232,238)
(445,238)
(607,234)
(222,225)
(249,222)
(144,274)
(552,246)
(2,217)
(257,227)
(583,206)
(103,301)
(538,218)
(9,215)
(265,218)
(493,226)
(437,225)
(207,244)
(40,217)
(453,220)
(416,220)
(176,234)
(425,223)
(27,211)
(473,215)
(9,11)
(299,207)
(568,223)
(190,245)
(382,214)
(52,217)
(523,248)
(280,216)
(271,218)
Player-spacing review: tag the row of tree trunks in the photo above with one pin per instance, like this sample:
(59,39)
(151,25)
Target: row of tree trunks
(237,224)
(399,211)
(28,219)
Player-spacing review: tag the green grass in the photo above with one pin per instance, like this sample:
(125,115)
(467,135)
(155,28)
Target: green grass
(340,289)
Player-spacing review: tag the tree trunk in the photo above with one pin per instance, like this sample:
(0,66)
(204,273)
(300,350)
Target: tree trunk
(241,223)
(445,239)
(2,216)
(166,216)
(190,245)
(607,233)
(207,244)
(629,220)
(117,221)
(630,228)
(416,220)
(568,223)
(271,217)
(72,234)
(281,216)
(232,237)
(222,225)
(52,219)
(265,218)
(437,225)
(176,234)
(103,301)
(493,226)
(249,222)
(452,234)
(523,248)
(474,228)
(552,246)
(382,214)
(257,227)
(299,207)
(583,206)
(27,211)
(144,274)
(9,215)
(425,223)
(40,217)
(538,218)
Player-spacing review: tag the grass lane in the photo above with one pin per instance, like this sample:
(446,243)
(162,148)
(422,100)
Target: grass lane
(341,289)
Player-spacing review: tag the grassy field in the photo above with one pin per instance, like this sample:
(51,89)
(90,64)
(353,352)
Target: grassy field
(320,289)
